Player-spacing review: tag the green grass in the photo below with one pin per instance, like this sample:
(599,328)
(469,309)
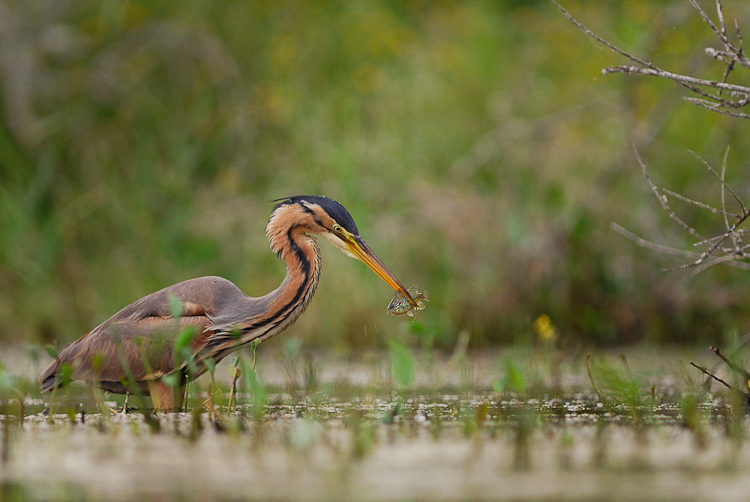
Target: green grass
(477,145)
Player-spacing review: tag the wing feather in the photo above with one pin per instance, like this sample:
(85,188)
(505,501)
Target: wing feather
(142,335)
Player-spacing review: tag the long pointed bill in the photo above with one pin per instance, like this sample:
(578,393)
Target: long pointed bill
(364,254)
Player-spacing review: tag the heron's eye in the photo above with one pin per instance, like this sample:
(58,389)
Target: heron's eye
(337,228)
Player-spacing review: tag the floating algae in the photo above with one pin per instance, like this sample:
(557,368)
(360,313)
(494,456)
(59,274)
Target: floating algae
(402,304)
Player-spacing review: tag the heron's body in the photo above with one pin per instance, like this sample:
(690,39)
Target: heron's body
(140,338)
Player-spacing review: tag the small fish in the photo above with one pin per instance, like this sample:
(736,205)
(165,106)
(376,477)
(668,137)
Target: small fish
(401,304)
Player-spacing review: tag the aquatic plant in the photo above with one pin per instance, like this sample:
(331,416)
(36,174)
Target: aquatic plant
(621,391)
(403,364)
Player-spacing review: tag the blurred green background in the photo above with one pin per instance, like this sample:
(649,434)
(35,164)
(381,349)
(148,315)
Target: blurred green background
(477,145)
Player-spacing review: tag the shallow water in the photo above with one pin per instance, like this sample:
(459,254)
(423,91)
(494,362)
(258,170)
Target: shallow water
(360,439)
(287,457)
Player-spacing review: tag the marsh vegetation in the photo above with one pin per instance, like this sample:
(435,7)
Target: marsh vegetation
(477,145)
(400,425)
(482,153)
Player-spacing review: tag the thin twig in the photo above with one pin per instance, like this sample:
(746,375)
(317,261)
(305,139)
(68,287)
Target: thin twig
(663,199)
(729,97)
(720,13)
(652,245)
(730,260)
(732,230)
(714,239)
(740,50)
(711,375)
(685,80)
(724,187)
(714,108)
(697,203)
(729,56)
(732,365)
(721,178)
(720,33)
(599,39)
(699,260)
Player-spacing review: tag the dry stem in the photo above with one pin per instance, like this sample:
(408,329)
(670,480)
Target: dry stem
(732,55)
(718,96)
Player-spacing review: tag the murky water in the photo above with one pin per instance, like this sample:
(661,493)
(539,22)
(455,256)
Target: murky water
(351,455)
(361,440)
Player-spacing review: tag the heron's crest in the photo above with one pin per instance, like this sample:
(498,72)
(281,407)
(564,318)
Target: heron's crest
(334,209)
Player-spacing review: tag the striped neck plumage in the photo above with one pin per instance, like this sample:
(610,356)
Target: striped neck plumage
(303,264)
(301,255)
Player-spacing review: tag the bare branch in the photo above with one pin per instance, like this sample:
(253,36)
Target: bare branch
(599,39)
(680,79)
(737,369)
(720,177)
(663,199)
(697,203)
(743,59)
(724,187)
(737,239)
(720,97)
(720,13)
(712,240)
(714,108)
(730,63)
(730,232)
(652,245)
(660,248)
(728,259)
(707,372)
(731,255)
(730,56)
(722,32)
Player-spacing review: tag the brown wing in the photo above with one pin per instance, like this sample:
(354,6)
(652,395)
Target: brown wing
(143,334)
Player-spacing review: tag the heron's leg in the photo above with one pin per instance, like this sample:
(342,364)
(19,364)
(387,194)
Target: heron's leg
(125,404)
(179,397)
(165,397)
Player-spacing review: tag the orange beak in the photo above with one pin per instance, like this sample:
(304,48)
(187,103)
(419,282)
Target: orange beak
(363,253)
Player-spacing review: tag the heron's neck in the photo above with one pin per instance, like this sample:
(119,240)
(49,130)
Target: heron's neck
(301,255)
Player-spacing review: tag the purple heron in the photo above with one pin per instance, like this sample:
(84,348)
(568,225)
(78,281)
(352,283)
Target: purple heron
(137,343)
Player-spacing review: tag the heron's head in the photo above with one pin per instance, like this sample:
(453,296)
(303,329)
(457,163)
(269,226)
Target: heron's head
(327,218)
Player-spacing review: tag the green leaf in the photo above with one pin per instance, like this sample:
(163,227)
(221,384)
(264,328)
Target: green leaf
(515,379)
(185,337)
(172,380)
(498,385)
(6,383)
(96,361)
(257,391)
(390,417)
(175,305)
(186,354)
(66,370)
(292,346)
(210,364)
(33,351)
(402,363)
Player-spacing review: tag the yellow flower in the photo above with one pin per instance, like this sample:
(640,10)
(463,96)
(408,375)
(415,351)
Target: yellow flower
(544,329)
